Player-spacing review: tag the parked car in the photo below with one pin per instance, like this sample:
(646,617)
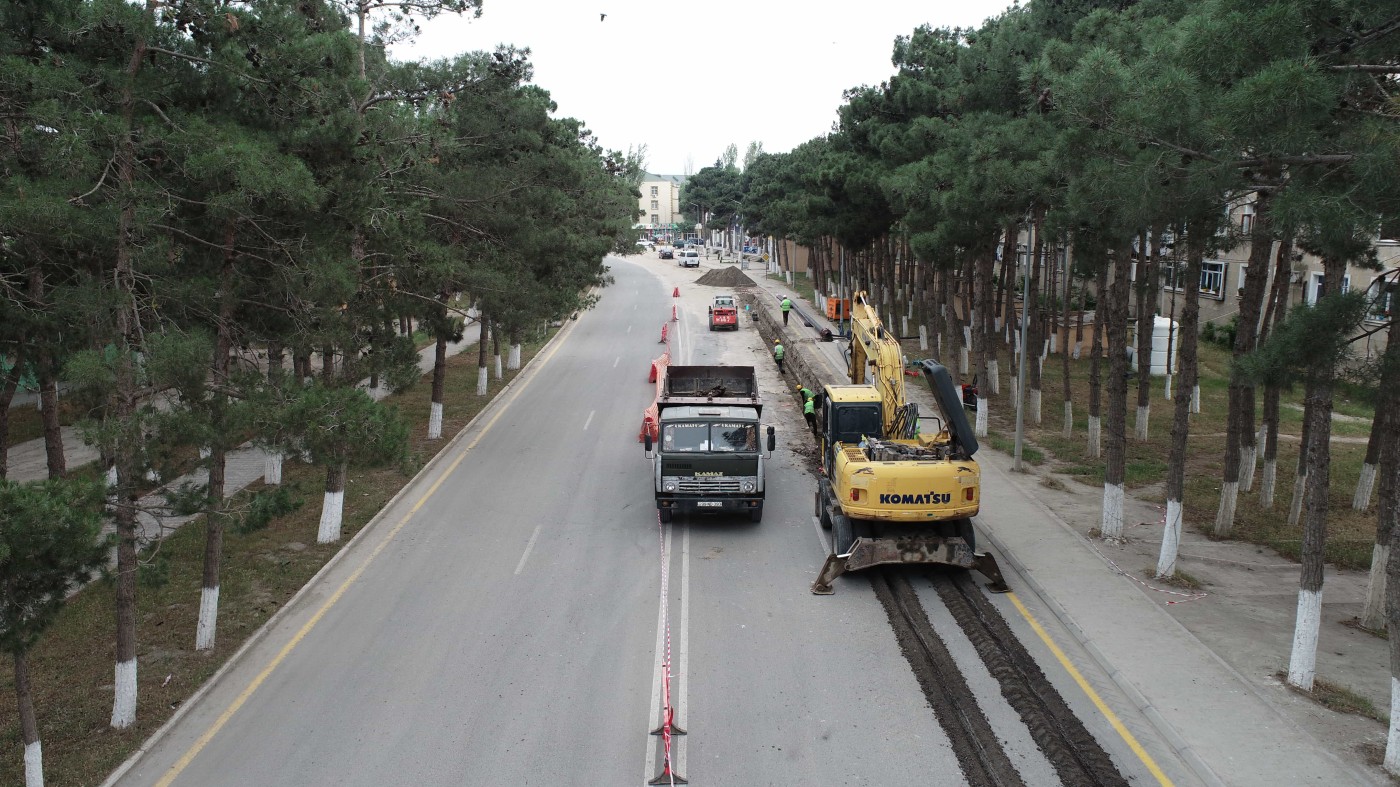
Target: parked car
(645,243)
(690,258)
(666,253)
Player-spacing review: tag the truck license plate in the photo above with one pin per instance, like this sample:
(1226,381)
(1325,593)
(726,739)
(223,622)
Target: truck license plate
(709,504)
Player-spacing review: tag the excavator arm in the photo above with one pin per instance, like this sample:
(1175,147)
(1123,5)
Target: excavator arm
(875,359)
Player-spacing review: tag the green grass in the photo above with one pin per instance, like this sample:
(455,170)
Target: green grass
(71,667)
(1350,532)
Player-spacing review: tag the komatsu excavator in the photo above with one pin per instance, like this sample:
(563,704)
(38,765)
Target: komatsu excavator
(896,486)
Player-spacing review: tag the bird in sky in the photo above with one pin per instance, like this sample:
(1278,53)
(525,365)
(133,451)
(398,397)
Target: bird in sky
(602,17)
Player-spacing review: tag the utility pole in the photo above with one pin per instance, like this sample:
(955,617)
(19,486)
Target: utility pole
(1021,366)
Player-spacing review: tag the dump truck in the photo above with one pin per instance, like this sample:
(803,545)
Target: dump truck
(897,485)
(723,313)
(707,457)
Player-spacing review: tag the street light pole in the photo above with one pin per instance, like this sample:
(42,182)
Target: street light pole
(1021,367)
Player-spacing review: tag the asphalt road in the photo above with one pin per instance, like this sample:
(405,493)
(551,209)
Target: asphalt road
(502,623)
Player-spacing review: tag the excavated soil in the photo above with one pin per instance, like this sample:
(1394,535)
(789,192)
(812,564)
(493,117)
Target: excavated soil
(725,277)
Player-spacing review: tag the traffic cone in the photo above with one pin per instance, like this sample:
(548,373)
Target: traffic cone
(663,333)
(674,318)
(676,293)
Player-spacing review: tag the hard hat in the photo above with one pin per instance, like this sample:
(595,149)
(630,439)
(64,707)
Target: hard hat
(799,386)
(775,341)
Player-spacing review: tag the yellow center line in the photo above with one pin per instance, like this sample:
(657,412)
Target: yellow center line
(1093,695)
(243,696)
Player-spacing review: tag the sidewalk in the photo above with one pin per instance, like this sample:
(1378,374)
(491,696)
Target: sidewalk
(244,465)
(1202,671)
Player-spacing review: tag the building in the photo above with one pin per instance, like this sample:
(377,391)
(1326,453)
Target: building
(1222,280)
(660,206)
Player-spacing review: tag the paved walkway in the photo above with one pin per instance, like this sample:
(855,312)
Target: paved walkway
(1203,671)
(244,465)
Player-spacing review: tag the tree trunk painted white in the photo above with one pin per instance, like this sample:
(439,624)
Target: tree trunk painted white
(1225,513)
(1044,352)
(1392,740)
(1365,485)
(1054,341)
(1248,455)
(1112,525)
(1195,398)
(1302,662)
(112,476)
(1168,394)
(1266,484)
(204,452)
(1078,346)
(124,701)
(1295,510)
(513,360)
(996,325)
(208,618)
(923,338)
(994,372)
(967,332)
(435,421)
(1069,419)
(962,361)
(982,416)
(332,506)
(1095,448)
(481,381)
(1171,541)
(903,326)
(1035,405)
(34,765)
(1373,614)
(272,469)
(1140,426)
(499,368)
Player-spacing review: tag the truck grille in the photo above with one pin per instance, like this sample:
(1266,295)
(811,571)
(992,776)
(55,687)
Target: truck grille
(688,485)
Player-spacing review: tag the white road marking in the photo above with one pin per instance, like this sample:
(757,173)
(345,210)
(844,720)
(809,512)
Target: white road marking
(529,547)
(617,361)
(589,420)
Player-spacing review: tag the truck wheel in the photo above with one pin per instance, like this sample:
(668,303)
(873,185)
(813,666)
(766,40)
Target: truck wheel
(823,515)
(665,514)
(756,514)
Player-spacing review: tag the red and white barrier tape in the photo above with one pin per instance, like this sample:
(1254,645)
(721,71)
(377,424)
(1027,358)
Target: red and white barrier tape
(1185,597)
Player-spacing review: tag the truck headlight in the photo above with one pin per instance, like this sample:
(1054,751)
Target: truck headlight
(669,486)
(747,485)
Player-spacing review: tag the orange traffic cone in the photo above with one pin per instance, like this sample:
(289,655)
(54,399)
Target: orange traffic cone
(676,293)
(674,318)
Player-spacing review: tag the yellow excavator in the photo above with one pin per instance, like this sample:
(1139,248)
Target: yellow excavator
(896,486)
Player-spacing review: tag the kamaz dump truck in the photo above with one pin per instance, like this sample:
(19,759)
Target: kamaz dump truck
(708,457)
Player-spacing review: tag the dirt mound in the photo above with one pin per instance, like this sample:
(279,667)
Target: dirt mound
(727,276)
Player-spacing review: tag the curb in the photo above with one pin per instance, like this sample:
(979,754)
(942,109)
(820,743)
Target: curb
(527,372)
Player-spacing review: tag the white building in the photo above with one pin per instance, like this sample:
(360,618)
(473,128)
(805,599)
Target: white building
(661,207)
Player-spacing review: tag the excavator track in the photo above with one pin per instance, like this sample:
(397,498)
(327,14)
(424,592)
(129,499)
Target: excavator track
(1076,756)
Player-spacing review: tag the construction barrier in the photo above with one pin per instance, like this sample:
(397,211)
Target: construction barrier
(652,415)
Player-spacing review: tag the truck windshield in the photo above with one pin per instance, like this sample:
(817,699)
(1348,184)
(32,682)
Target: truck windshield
(724,437)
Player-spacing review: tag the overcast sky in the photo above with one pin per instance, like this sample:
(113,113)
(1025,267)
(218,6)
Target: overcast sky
(686,79)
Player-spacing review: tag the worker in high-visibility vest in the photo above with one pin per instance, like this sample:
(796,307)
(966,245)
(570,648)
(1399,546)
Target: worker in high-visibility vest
(786,306)
(778,353)
(809,411)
